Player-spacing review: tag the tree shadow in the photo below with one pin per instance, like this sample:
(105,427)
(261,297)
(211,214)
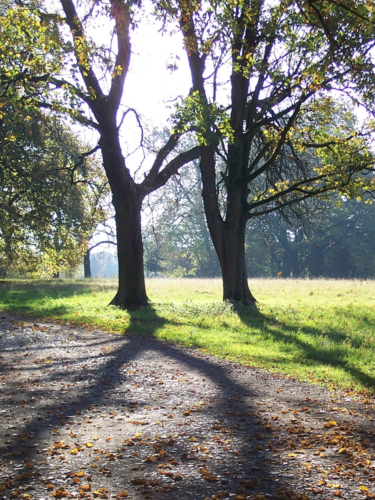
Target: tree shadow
(228,412)
(333,355)
(229,425)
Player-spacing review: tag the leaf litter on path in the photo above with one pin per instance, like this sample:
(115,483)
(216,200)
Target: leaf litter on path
(88,415)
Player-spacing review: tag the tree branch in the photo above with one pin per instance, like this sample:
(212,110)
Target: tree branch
(120,14)
(80,50)
(170,169)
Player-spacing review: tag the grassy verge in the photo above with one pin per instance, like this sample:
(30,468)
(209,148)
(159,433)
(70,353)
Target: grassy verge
(314,330)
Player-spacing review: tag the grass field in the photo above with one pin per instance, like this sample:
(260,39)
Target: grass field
(320,331)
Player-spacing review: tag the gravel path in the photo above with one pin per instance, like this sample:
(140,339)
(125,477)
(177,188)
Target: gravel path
(86,414)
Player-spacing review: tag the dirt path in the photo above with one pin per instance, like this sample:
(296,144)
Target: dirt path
(86,414)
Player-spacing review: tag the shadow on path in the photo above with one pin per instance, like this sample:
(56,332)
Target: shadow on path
(209,409)
(171,423)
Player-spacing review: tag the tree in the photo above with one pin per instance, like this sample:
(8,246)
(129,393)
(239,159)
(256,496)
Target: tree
(280,137)
(333,239)
(100,98)
(50,195)
(86,257)
(177,240)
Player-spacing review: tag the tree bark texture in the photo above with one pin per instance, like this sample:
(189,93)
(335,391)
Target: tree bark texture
(131,293)
(127,200)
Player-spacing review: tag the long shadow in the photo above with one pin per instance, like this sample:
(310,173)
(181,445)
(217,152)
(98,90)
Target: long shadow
(288,334)
(228,403)
(229,411)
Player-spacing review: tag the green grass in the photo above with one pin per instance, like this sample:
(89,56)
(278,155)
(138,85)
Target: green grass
(320,331)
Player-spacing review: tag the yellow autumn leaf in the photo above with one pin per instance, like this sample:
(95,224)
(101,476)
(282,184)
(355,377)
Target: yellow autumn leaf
(292,455)
(80,473)
(331,423)
(88,445)
(74,451)
(363,488)
(95,438)
(48,361)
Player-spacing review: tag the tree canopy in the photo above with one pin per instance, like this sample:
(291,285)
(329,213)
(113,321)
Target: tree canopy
(85,81)
(51,197)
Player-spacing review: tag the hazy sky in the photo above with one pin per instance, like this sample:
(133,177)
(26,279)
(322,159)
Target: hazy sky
(149,83)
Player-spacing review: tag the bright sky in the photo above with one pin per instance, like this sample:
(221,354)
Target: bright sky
(149,84)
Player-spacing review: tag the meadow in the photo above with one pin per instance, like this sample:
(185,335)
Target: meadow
(319,331)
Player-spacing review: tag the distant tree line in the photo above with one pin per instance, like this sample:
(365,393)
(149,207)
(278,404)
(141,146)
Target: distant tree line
(331,239)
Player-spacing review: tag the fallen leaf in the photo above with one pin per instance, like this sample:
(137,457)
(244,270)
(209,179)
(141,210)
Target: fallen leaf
(331,423)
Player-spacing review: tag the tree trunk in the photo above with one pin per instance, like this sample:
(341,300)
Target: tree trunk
(233,267)
(227,236)
(131,293)
(127,200)
(86,264)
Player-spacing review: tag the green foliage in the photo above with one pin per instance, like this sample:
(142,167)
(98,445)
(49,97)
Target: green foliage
(50,196)
(30,54)
(331,242)
(317,331)
(206,120)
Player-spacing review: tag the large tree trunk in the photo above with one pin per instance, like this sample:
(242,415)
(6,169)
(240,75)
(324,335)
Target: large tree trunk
(233,266)
(127,200)
(87,265)
(131,293)
(227,236)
